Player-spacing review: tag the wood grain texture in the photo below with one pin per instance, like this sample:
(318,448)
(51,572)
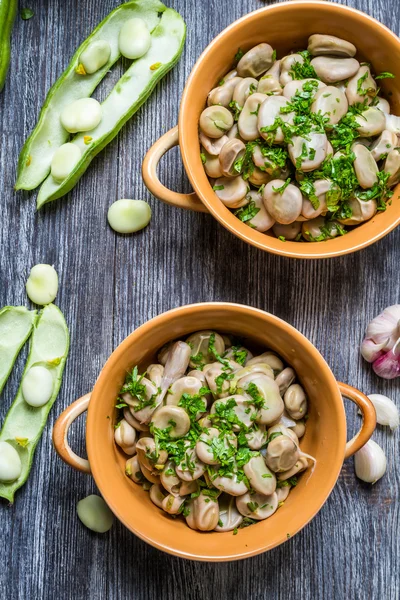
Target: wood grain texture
(111,284)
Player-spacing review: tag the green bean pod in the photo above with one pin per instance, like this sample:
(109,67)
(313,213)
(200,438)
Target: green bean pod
(8,10)
(48,135)
(128,95)
(16,323)
(24,424)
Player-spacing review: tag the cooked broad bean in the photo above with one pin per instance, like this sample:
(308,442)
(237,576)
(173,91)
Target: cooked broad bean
(384,144)
(215,121)
(296,86)
(295,401)
(229,516)
(269,85)
(243,89)
(323,44)
(330,102)
(231,153)
(319,228)
(392,166)
(256,61)
(248,119)
(223,94)
(309,152)
(332,69)
(321,187)
(284,204)
(286,67)
(365,166)
(257,506)
(262,220)
(231,191)
(361,211)
(213,145)
(361,87)
(370,122)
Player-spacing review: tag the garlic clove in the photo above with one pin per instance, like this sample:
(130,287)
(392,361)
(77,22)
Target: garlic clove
(370,462)
(386,410)
(388,365)
(371,351)
(385,327)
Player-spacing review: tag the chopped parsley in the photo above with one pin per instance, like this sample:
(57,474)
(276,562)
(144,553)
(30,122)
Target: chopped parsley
(303,70)
(282,188)
(239,354)
(133,385)
(248,212)
(385,75)
(194,404)
(239,54)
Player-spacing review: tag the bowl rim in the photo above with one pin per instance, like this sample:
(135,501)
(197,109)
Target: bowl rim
(290,249)
(100,475)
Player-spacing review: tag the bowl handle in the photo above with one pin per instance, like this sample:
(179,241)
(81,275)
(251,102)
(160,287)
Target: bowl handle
(60,434)
(368,416)
(149,172)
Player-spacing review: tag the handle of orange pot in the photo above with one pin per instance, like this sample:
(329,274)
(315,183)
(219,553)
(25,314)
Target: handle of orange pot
(368,418)
(60,434)
(149,172)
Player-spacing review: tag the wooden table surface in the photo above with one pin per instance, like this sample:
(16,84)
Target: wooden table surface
(111,284)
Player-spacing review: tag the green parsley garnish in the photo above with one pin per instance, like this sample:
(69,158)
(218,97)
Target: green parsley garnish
(27,13)
(282,188)
(248,212)
(239,54)
(303,70)
(385,75)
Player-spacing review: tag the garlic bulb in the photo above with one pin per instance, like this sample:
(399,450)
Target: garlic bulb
(381,345)
(386,410)
(370,462)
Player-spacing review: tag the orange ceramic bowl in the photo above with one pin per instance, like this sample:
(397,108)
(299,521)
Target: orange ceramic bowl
(325,436)
(286,27)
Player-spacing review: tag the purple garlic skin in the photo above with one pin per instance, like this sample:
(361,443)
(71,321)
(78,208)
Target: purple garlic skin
(381,345)
(388,365)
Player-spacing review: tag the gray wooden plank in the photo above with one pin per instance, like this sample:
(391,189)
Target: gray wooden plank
(111,284)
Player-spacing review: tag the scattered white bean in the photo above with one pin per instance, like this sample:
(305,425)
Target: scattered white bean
(95,514)
(42,284)
(127,216)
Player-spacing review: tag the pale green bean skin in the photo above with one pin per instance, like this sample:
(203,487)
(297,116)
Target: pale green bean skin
(95,514)
(48,135)
(23,425)
(16,323)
